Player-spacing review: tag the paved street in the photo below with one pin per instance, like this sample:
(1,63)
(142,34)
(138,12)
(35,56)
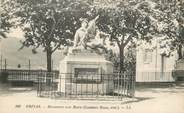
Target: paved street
(147,100)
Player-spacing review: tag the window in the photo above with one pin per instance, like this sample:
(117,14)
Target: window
(147,56)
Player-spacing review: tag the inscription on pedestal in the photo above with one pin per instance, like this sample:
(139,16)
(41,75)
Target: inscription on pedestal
(87,75)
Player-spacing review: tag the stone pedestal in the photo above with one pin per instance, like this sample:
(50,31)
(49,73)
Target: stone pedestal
(85,72)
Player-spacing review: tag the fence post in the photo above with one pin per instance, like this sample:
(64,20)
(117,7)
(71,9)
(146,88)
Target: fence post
(5,64)
(1,62)
(29,71)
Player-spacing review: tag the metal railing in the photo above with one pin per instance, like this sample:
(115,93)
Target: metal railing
(103,86)
(155,76)
(27,75)
(72,86)
(24,77)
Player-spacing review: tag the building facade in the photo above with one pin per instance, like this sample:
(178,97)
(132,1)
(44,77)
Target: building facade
(152,66)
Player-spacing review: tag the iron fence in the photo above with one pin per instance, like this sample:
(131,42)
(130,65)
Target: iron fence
(88,86)
(73,86)
(25,77)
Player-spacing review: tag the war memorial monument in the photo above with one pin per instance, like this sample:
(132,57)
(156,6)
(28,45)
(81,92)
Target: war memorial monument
(84,66)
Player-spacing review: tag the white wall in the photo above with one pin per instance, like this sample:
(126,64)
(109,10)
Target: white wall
(152,71)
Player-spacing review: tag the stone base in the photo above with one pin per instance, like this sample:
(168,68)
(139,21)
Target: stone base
(85,73)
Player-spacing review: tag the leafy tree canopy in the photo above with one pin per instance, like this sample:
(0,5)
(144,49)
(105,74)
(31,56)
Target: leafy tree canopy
(48,24)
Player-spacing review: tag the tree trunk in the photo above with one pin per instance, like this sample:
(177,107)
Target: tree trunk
(49,61)
(121,49)
(179,52)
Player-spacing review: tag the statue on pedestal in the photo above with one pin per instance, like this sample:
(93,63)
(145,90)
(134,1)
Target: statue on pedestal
(84,66)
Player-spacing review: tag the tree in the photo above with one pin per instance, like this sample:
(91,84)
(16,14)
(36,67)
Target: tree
(48,24)
(168,18)
(180,41)
(125,24)
(179,32)
(5,24)
(129,22)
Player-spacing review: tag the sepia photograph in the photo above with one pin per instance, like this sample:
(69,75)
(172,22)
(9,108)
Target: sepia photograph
(69,56)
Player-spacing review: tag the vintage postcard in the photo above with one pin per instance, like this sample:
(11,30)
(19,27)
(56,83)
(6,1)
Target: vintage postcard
(68,56)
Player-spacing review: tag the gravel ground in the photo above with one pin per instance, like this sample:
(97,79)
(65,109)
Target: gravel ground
(147,100)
